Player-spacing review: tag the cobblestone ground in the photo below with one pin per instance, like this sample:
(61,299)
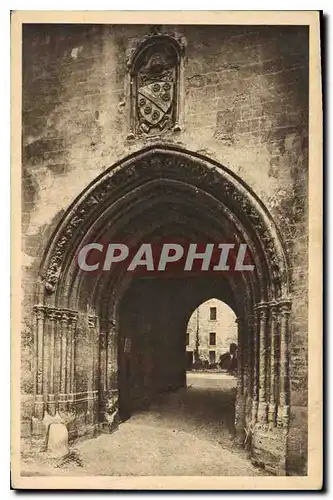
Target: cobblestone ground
(184,433)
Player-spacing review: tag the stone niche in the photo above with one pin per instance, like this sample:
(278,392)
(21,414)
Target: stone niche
(154,87)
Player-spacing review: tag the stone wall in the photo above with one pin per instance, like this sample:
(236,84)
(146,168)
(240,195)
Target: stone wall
(244,105)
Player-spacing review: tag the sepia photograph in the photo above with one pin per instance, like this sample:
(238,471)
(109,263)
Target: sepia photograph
(166,269)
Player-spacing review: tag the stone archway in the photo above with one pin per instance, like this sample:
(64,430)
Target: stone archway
(161,190)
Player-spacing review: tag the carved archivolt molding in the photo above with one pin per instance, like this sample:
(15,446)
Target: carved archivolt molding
(168,163)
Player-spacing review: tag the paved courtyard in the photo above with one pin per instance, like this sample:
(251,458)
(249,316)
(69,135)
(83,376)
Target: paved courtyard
(189,432)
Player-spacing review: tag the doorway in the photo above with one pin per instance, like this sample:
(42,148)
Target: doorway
(164,192)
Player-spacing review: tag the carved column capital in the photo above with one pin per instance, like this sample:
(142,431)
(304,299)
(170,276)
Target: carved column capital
(52,315)
(39,311)
(72,317)
(63,316)
(92,321)
(262,310)
(261,306)
(274,308)
(284,306)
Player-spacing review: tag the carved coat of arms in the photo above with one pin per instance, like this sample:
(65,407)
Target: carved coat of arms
(155,93)
(154,102)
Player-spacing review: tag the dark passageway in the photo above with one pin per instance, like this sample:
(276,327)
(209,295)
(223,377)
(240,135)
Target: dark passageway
(153,319)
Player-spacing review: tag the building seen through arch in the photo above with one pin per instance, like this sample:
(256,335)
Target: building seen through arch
(211,330)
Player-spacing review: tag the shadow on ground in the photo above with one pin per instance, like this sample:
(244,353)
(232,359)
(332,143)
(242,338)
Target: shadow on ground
(206,408)
(187,433)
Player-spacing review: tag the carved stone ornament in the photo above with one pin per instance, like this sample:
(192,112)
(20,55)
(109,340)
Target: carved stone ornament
(156,80)
(154,85)
(54,313)
(174,165)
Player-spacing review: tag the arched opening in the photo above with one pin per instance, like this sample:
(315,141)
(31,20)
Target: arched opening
(212,337)
(211,367)
(89,325)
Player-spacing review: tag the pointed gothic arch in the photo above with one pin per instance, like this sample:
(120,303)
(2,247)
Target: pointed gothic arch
(159,188)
